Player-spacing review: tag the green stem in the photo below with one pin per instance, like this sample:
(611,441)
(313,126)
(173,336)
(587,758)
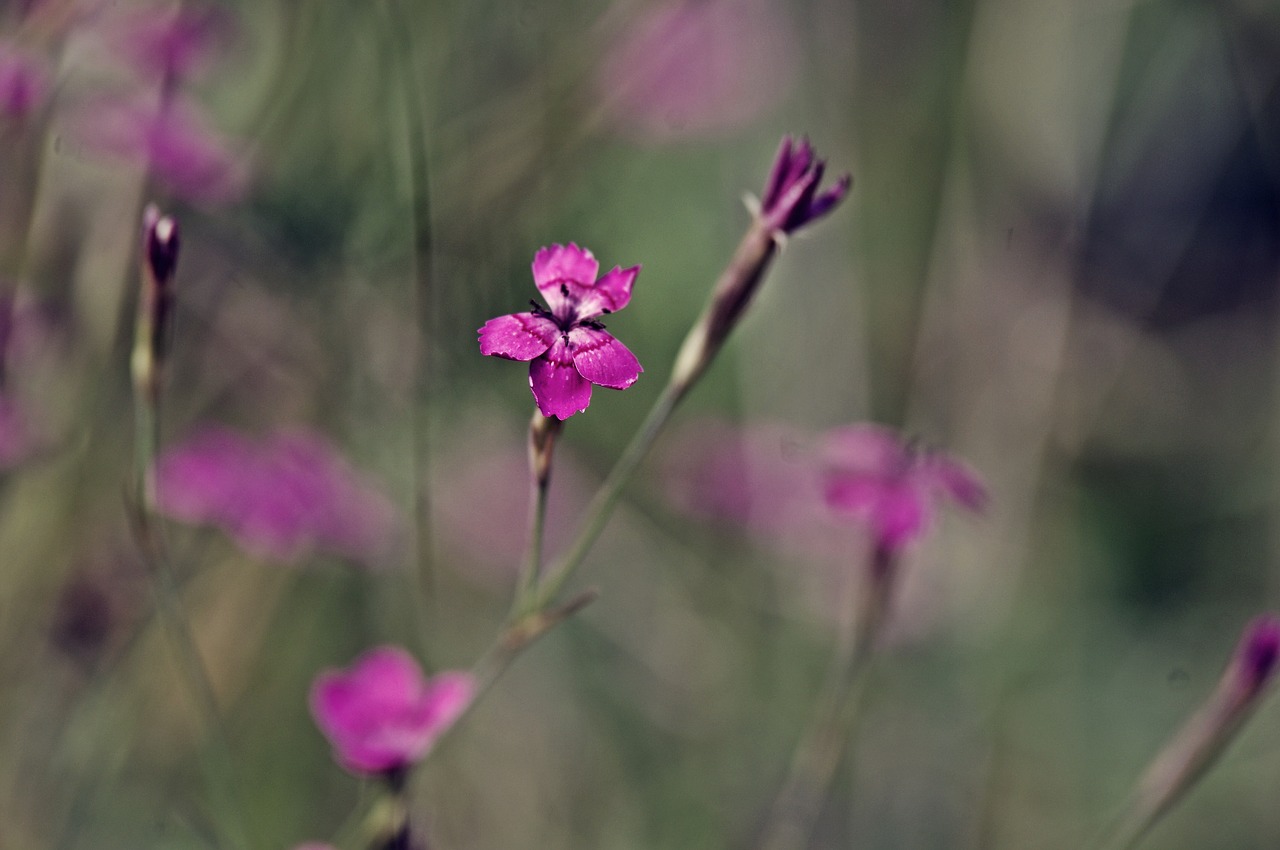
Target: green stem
(835,718)
(399,25)
(602,504)
(216,761)
(529,574)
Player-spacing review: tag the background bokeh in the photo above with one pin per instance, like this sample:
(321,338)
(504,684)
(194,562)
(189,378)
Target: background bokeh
(1059,261)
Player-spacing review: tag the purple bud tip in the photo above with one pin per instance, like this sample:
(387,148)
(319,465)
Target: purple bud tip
(1259,651)
(791,195)
(161,237)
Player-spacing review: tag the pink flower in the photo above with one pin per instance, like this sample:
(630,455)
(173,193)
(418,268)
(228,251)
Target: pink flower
(279,499)
(382,716)
(891,485)
(24,82)
(173,142)
(568,349)
(791,198)
(693,68)
(171,45)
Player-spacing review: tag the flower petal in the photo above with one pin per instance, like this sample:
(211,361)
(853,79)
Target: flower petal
(447,696)
(957,479)
(601,359)
(610,294)
(519,336)
(901,515)
(558,388)
(563,274)
(866,448)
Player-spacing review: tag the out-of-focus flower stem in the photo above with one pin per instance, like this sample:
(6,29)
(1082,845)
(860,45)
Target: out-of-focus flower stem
(823,743)
(1192,751)
(399,25)
(147,360)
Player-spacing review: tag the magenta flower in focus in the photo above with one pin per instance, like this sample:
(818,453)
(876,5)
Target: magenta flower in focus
(891,485)
(568,349)
(279,499)
(24,82)
(791,197)
(382,716)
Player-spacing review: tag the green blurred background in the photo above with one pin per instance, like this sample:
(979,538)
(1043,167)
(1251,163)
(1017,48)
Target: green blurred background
(1059,260)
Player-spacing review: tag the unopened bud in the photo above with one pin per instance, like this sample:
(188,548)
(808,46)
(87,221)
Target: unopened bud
(1199,743)
(160,243)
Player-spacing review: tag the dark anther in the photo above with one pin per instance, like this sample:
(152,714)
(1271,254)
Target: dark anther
(564,289)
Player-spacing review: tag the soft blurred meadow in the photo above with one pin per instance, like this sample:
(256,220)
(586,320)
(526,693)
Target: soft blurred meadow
(1059,261)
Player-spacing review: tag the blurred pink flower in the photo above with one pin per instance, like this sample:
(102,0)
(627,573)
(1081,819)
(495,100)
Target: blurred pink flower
(171,45)
(382,716)
(568,348)
(698,67)
(755,476)
(174,143)
(24,83)
(280,498)
(891,485)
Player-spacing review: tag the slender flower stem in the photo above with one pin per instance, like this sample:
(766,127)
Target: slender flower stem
(835,718)
(543,432)
(602,504)
(158,260)
(399,30)
(529,573)
(216,761)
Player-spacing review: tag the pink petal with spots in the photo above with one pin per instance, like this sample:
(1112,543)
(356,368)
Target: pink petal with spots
(519,336)
(610,294)
(563,274)
(601,359)
(558,388)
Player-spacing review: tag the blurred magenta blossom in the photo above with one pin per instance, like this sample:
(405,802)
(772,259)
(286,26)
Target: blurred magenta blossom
(24,83)
(279,498)
(171,45)
(890,484)
(173,142)
(382,715)
(791,198)
(696,68)
(757,476)
(568,348)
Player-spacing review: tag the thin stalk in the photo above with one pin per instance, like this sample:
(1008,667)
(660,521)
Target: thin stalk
(215,760)
(602,504)
(532,569)
(834,722)
(400,27)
